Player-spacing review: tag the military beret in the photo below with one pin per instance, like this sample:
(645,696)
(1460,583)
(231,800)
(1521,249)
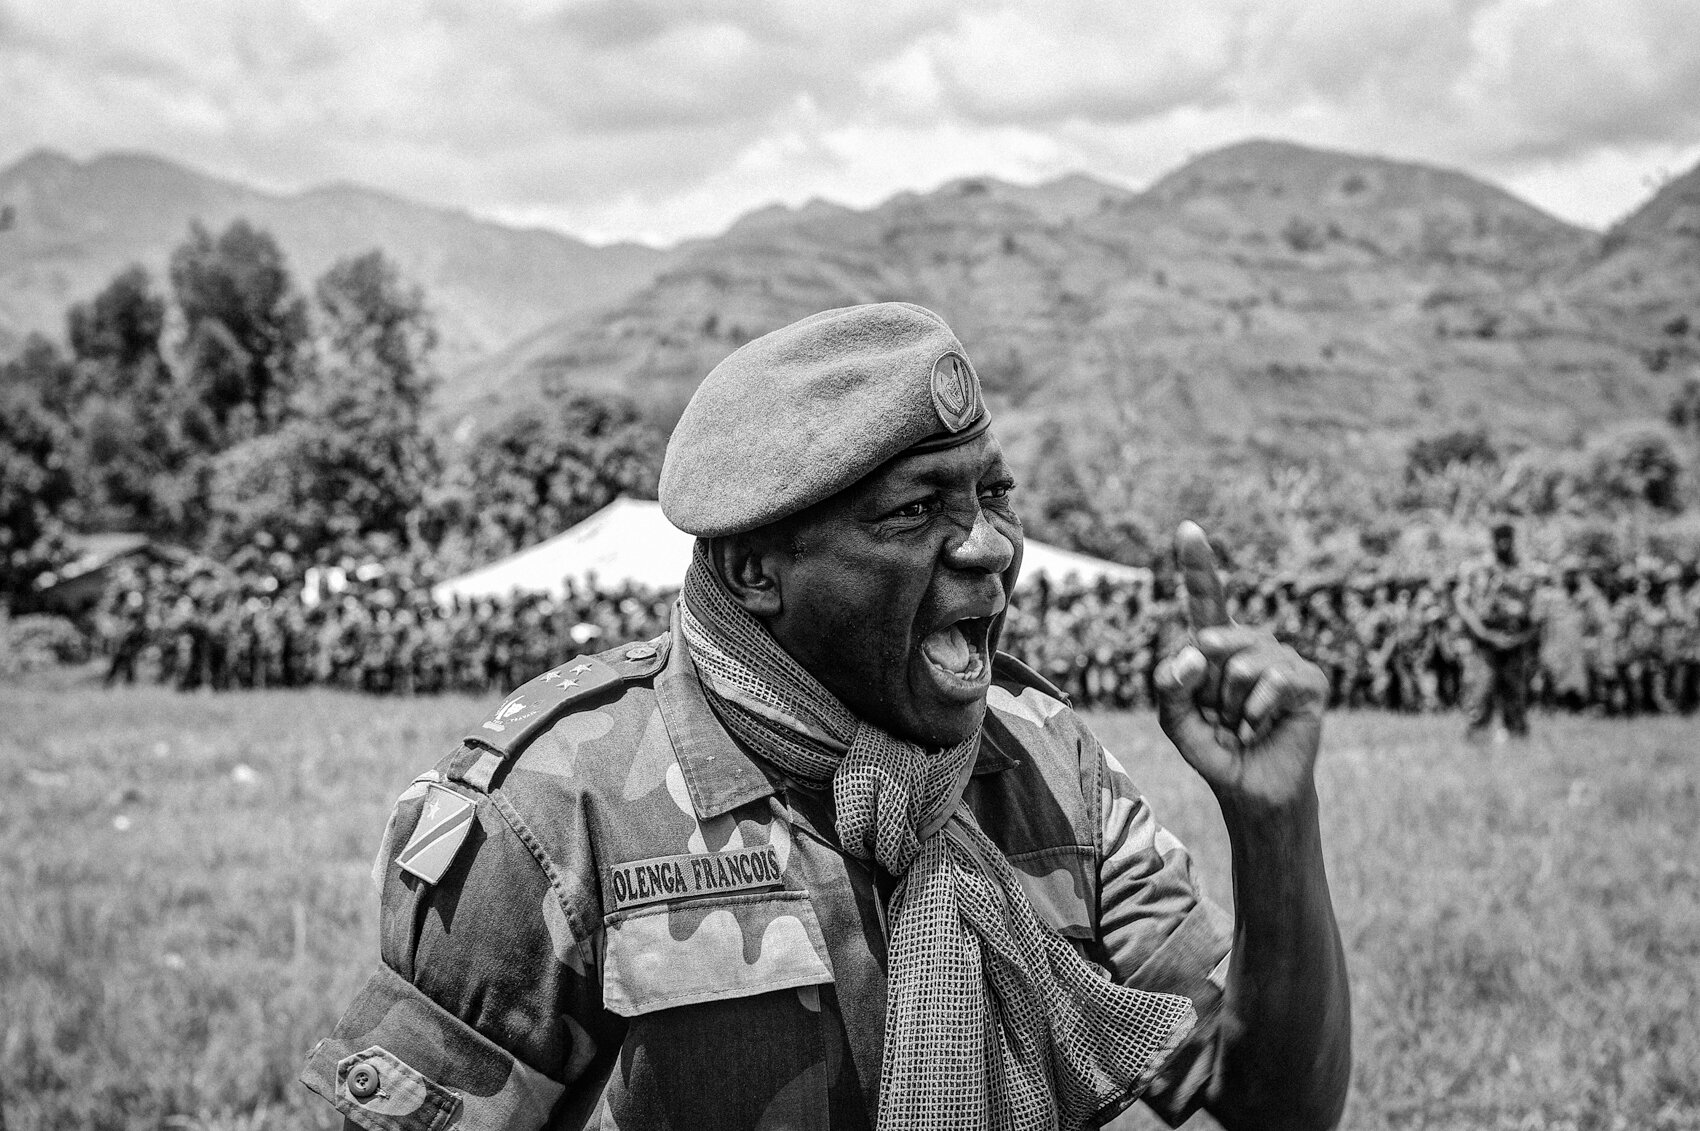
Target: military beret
(800,414)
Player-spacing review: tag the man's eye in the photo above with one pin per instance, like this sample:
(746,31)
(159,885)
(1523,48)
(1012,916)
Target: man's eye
(997,491)
(916,509)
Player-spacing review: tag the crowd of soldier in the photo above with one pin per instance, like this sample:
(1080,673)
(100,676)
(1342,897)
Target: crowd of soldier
(1627,643)
(370,629)
(1624,643)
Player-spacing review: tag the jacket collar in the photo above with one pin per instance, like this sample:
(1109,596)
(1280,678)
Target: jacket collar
(719,775)
(997,747)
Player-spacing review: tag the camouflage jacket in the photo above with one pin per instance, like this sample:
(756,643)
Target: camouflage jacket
(646,927)
(1502,596)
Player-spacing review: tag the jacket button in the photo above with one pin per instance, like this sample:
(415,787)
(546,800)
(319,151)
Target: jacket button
(641,652)
(363,1082)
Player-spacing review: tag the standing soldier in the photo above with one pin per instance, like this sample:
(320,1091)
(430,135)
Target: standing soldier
(1564,658)
(1376,631)
(1495,600)
(123,622)
(269,641)
(1674,628)
(1325,643)
(1685,609)
(1429,628)
(1147,651)
(222,628)
(295,639)
(1406,651)
(1646,638)
(1452,644)
(1636,640)
(1609,648)
(1355,640)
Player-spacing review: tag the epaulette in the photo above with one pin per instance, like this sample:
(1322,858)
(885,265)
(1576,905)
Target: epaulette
(1013,669)
(536,705)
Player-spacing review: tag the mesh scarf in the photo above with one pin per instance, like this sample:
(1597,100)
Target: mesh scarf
(992,1020)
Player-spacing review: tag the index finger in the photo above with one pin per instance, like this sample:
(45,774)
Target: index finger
(1206,604)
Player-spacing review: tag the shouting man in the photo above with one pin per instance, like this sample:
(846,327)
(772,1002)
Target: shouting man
(821,856)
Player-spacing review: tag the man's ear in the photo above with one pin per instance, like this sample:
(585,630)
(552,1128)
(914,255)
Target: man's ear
(747,564)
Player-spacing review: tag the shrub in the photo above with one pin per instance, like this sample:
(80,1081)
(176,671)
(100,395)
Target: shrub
(1436,453)
(40,640)
(1684,411)
(1636,466)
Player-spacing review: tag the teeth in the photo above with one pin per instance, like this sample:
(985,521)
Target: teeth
(950,650)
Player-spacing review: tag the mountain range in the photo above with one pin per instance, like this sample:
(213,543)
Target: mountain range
(1264,302)
(73,225)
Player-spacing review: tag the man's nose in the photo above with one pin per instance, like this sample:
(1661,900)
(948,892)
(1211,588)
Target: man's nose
(986,548)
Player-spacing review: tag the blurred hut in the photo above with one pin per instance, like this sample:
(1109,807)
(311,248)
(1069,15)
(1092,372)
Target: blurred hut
(74,589)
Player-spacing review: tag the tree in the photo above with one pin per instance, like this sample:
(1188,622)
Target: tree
(135,457)
(48,375)
(534,474)
(120,327)
(245,328)
(377,340)
(36,485)
(1071,502)
(352,458)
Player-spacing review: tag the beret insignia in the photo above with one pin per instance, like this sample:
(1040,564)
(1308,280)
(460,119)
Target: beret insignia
(956,391)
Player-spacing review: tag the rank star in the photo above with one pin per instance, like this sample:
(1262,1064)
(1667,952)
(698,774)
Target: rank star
(581,669)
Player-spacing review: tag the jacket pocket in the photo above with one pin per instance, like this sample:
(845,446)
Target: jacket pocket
(667,955)
(1059,884)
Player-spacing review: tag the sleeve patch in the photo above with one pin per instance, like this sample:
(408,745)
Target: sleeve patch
(444,820)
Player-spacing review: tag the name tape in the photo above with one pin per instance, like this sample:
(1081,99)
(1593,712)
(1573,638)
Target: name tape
(681,877)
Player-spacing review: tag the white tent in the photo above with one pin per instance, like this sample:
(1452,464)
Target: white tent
(629,541)
(626,542)
(1058,564)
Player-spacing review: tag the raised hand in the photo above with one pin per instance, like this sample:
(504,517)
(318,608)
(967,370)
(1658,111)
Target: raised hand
(1244,710)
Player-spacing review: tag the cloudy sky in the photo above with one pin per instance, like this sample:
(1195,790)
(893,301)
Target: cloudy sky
(657,119)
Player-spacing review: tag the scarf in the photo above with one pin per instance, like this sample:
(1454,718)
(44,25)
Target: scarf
(992,1019)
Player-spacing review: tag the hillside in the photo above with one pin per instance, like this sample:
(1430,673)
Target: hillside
(1647,274)
(1266,301)
(1673,212)
(75,224)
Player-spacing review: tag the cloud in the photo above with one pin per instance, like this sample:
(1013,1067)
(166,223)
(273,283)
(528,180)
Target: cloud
(1036,64)
(669,117)
(1604,73)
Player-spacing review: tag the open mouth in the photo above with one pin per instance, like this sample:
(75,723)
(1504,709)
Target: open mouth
(959,654)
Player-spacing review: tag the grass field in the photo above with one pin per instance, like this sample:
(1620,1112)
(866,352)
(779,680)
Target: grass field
(185,904)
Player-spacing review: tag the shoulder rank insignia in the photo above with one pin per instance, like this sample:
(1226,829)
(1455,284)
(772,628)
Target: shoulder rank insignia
(444,821)
(539,703)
